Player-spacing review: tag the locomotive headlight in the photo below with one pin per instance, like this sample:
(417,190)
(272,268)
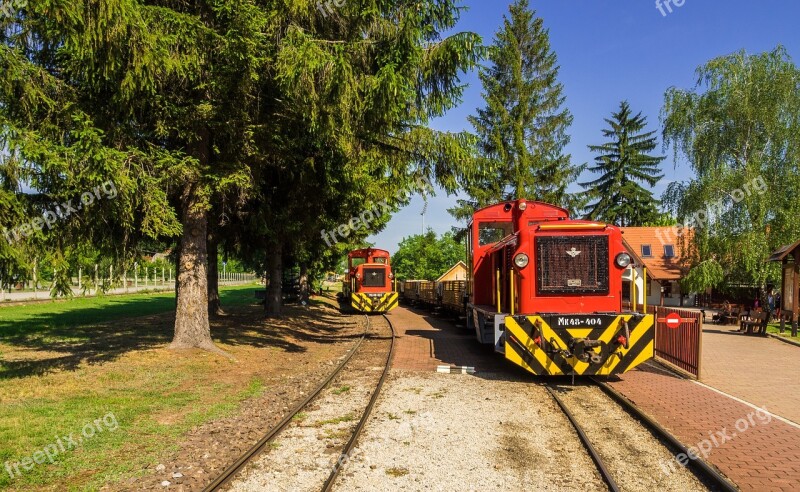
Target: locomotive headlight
(521,260)
(523,205)
(623,260)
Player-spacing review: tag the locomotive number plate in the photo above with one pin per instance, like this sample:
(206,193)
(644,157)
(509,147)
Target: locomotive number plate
(578,321)
(574,282)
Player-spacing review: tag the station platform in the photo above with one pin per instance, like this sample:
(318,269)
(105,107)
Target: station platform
(744,414)
(425,341)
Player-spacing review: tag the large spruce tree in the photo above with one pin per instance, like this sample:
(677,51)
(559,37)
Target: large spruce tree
(624,162)
(522,129)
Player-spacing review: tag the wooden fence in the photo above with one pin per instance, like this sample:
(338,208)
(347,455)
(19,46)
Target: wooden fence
(681,347)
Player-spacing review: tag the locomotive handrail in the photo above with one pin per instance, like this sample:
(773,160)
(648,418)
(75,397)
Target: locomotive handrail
(512,296)
(644,291)
(497,293)
(561,227)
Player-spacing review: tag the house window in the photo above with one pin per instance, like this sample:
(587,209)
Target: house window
(669,251)
(647,251)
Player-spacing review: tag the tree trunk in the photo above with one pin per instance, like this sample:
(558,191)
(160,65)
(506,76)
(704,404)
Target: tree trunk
(177,270)
(192,329)
(304,287)
(214,304)
(274,300)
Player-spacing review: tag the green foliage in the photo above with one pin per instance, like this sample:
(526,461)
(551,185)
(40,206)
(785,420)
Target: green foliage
(624,163)
(740,132)
(705,275)
(522,129)
(426,257)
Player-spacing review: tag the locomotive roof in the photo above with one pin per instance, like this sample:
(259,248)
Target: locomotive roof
(498,210)
(361,253)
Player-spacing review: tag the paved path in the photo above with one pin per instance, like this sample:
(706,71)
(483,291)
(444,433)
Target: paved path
(426,341)
(762,371)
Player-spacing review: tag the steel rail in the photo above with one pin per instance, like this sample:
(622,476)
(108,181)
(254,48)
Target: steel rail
(708,471)
(345,455)
(227,475)
(601,467)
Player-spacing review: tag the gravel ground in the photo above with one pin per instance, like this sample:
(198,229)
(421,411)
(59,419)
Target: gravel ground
(634,457)
(303,455)
(443,432)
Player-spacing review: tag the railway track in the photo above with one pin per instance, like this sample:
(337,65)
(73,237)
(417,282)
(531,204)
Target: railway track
(230,473)
(630,455)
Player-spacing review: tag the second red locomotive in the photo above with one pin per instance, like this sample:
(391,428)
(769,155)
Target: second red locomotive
(369,281)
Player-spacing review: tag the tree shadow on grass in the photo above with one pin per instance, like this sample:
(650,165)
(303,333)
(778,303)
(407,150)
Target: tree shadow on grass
(64,341)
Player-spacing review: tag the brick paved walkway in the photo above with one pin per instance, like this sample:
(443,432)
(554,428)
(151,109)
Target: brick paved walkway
(426,341)
(761,453)
(762,371)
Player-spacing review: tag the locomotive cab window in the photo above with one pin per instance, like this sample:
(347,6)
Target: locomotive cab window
(493,232)
(381,261)
(357,262)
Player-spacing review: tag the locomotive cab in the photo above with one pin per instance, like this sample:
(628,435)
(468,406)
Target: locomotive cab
(546,291)
(369,281)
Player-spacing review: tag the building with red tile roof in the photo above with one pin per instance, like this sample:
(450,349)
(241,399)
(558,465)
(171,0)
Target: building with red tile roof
(663,252)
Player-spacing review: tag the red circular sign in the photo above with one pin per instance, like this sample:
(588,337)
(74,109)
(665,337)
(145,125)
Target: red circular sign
(673,320)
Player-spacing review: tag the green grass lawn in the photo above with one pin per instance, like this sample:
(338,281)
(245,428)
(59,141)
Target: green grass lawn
(66,367)
(775,328)
(52,317)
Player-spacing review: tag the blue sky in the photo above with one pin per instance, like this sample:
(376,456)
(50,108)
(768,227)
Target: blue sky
(610,50)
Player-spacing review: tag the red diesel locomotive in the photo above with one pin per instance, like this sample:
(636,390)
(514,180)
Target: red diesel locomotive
(368,284)
(546,291)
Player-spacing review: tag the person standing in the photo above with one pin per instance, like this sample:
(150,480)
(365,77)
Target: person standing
(770,305)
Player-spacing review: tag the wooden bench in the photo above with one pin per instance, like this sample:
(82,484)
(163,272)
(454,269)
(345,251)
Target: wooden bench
(785,318)
(754,323)
(728,317)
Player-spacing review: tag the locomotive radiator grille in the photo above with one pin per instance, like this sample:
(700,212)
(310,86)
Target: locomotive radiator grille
(374,277)
(572,264)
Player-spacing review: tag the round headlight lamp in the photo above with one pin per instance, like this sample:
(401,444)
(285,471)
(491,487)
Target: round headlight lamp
(523,205)
(521,260)
(623,260)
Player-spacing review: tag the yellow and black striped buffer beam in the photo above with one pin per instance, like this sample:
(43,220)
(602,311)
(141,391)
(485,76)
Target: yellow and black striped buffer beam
(372,303)
(582,344)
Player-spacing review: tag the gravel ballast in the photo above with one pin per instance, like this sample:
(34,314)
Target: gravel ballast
(457,432)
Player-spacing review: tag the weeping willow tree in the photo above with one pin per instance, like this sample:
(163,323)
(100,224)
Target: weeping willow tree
(739,130)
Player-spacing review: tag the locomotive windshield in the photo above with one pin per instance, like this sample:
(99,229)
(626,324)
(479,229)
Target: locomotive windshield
(493,232)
